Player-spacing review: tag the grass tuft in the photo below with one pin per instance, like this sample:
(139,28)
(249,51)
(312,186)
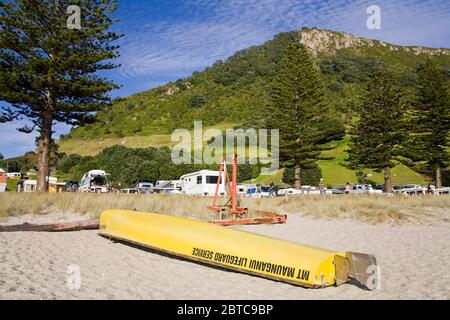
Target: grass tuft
(369,209)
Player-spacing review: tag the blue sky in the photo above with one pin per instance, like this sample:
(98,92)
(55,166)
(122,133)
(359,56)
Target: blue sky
(169,39)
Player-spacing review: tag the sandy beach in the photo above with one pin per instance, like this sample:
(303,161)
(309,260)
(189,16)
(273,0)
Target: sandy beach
(414,261)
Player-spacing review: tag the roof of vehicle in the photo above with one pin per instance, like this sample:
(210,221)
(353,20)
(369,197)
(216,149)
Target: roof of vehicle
(97,173)
(201,172)
(163,185)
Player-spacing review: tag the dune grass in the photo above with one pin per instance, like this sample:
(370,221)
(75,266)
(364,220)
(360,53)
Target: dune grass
(370,209)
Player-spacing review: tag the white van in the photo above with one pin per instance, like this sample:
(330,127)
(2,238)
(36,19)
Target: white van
(95,181)
(258,191)
(202,183)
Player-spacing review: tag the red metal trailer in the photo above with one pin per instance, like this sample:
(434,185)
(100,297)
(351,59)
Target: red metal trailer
(230,213)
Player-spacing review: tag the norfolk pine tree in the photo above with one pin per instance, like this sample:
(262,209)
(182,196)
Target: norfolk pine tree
(378,135)
(48,72)
(430,123)
(296,109)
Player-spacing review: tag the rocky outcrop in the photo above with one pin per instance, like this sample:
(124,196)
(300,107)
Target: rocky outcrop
(325,41)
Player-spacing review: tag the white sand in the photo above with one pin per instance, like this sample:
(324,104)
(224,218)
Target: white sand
(414,262)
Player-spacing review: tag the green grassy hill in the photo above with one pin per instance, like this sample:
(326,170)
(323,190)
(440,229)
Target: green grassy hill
(335,172)
(234,93)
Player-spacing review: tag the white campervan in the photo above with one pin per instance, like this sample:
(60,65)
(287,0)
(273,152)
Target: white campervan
(95,181)
(202,183)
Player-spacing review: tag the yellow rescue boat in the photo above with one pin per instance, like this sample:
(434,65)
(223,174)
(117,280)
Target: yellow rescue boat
(240,251)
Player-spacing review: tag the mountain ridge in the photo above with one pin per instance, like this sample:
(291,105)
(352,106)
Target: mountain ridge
(213,93)
(322,41)
(234,92)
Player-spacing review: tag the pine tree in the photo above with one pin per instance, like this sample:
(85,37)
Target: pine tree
(296,109)
(431,120)
(377,137)
(48,71)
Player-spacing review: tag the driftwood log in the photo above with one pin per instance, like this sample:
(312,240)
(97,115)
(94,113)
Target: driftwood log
(56,227)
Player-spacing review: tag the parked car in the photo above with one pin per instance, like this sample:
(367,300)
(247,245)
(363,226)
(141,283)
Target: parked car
(314,190)
(371,189)
(167,187)
(310,190)
(363,189)
(338,190)
(289,191)
(412,186)
(130,191)
(176,191)
(72,186)
(411,189)
(258,191)
(145,187)
(242,189)
(445,190)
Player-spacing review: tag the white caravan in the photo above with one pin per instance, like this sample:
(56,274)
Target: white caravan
(95,181)
(202,183)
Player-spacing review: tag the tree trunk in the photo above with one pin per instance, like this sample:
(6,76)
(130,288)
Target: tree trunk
(438,176)
(57,227)
(297,178)
(387,180)
(44,151)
